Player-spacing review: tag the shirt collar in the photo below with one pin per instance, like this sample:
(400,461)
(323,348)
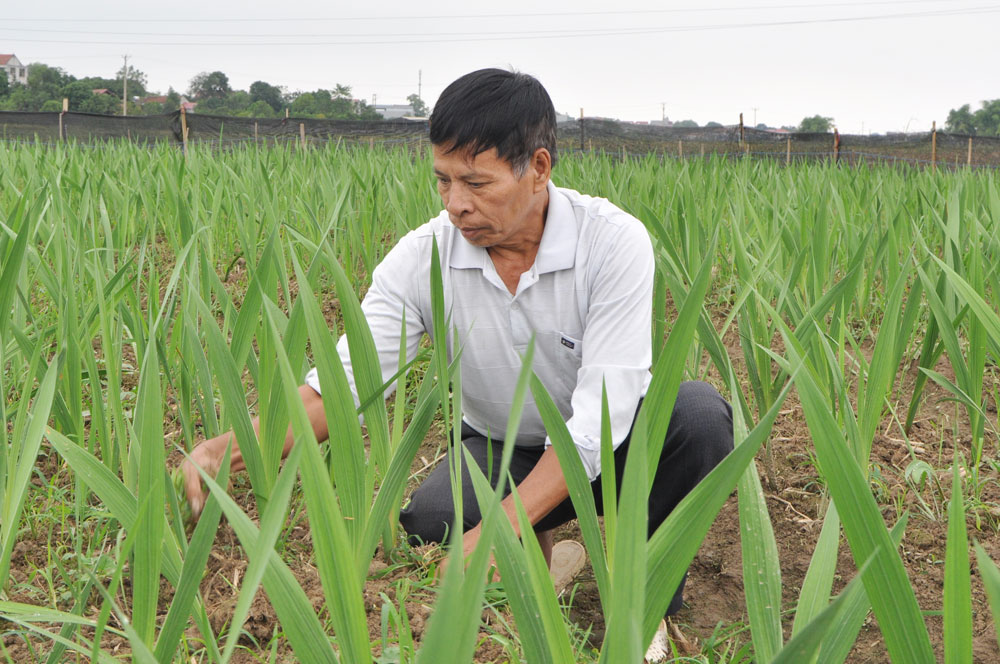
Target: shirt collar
(557,250)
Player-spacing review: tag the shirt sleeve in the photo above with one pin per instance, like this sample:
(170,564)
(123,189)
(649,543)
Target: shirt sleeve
(393,290)
(617,345)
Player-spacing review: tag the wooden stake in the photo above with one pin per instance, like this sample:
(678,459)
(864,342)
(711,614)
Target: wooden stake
(836,146)
(286,112)
(255,138)
(302,134)
(184,131)
(742,139)
(968,160)
(703,151)
(934,147)
(788,150)
(581,129)
(680,149)
(62,128)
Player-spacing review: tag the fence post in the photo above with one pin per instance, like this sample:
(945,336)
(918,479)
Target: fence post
(255,138)
(581,129)
(934,147)
(836,146)
(741,132)
(788,150)
(62,128)
(184,131)
(302,134)
(968,160)
(680,149)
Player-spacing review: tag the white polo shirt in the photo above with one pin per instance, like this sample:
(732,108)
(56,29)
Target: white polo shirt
(587,300)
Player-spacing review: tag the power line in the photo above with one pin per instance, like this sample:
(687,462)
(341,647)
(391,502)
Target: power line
(622,12)
(424,37)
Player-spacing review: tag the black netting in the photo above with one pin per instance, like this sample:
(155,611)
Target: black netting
(943,149)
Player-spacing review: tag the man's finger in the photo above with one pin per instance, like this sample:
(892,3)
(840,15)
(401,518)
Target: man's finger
(193,489)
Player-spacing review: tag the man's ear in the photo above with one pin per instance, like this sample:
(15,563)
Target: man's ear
(540,169)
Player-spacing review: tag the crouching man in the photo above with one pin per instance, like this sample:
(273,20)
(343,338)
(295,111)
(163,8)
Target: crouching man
(522,258)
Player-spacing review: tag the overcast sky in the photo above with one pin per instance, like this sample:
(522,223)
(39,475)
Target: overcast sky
(872,66)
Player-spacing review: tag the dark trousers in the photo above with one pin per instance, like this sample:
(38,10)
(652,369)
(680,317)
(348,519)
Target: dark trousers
(699,436)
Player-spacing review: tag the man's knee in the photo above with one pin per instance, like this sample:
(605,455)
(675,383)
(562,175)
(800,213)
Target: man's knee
(425,523)
(703,417)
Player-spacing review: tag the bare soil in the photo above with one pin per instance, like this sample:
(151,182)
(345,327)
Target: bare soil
(714,593)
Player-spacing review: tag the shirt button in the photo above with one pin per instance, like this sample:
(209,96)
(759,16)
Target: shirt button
(515,306)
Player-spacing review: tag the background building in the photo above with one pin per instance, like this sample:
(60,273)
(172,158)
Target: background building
(16,72)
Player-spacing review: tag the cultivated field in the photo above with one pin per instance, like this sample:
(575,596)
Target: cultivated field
(848,313)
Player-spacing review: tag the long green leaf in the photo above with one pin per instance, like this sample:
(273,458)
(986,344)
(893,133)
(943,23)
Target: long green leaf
(675,543)
(335,554)
(26,442)
(888,587)
(957,581)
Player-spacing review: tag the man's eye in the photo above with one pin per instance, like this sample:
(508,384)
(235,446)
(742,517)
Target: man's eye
(476,185)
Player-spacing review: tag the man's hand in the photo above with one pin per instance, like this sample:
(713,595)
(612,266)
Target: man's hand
(469,541)
(208,459)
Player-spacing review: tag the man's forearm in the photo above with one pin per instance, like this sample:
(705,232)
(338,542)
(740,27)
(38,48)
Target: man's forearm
(313,403)
(541,491)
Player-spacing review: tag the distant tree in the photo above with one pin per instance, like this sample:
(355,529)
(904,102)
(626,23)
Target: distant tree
(761,126)
(4,86)
(137,82)
(104,104)
(960,121)
(304,104)
(713,124)
(77,93)
(48,79)
(260,109)
(418,105)
(51,106)
(212,105)
(363,111)
(988,118)
(267,93)
(686,123)
(817,124)
(342,91)
(44,83)
(209,85)
(173,102)
(237,103)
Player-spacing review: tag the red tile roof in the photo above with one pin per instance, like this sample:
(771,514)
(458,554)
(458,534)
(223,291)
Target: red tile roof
(5,58)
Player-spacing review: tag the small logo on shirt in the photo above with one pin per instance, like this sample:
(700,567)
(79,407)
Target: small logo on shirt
(566,342)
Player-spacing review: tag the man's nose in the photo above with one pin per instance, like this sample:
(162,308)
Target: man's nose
(459,200)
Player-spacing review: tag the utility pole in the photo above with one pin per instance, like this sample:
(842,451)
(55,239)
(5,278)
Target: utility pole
(755,117)
(373,100)
(420,83)
(663,111)
(125,87)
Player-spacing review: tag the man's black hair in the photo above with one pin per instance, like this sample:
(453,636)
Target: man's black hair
(494,108)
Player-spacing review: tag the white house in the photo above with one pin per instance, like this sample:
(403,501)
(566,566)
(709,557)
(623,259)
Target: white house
(393,111)
(16,72)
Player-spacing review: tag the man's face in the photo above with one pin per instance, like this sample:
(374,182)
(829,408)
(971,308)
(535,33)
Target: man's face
(487,201)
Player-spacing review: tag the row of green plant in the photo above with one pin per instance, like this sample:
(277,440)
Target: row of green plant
(146,288)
